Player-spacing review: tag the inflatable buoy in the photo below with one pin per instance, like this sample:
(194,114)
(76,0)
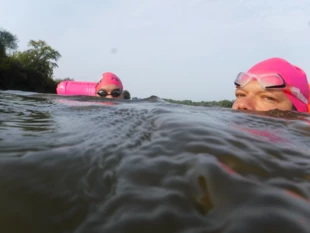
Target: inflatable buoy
(76,88)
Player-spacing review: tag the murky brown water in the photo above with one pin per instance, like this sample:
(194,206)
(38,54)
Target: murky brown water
(78,164)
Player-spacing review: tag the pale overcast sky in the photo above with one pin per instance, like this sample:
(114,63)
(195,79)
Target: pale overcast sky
(179,49)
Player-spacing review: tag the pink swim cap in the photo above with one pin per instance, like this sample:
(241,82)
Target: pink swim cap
(110,78)
(293,76)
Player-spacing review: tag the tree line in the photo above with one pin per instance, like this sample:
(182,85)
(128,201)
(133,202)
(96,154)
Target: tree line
(29,70)
(221,103)
(33,69)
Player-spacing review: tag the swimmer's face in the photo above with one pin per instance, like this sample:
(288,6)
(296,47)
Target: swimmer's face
(254,97)
(109,89)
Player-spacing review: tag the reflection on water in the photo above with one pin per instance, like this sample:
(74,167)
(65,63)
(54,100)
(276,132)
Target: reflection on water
(80,164)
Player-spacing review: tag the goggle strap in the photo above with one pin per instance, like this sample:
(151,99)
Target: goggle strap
(297,93)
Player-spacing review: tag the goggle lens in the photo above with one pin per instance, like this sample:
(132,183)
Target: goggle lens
(266,80)
(115,93)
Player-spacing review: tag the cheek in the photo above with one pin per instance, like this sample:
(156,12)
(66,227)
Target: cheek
(263,105)
(287,102)
(287,105)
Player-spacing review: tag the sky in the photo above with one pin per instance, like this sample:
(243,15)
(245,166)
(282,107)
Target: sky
(177,49)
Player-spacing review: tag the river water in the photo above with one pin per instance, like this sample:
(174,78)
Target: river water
(85,165)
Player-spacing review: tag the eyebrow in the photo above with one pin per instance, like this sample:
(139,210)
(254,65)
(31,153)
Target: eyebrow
(274,92)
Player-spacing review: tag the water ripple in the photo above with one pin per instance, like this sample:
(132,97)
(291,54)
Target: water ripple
(82,164)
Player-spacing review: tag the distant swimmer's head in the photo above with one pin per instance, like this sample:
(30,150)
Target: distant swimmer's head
(272,84)
(110,86)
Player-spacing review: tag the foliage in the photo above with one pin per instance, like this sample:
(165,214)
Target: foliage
(8,42)
(222,103)
(127,95)
(30,70)
(40,57)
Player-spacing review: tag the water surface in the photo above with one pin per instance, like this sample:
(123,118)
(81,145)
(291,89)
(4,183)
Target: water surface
(85,165)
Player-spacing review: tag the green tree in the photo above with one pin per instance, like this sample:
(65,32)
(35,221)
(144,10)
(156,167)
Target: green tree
(40,57)
(8,42)
(30,70)
(225,103)
(127,95)
(222,103)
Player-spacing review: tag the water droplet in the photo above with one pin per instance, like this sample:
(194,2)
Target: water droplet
(113,51)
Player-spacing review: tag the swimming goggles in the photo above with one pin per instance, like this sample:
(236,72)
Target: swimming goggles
(269,81)
(115,93)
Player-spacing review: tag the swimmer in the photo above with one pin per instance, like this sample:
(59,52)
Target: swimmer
(110,86)
(272,84)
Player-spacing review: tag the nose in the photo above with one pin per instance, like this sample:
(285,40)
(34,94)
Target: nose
(109,96)
(243,104)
